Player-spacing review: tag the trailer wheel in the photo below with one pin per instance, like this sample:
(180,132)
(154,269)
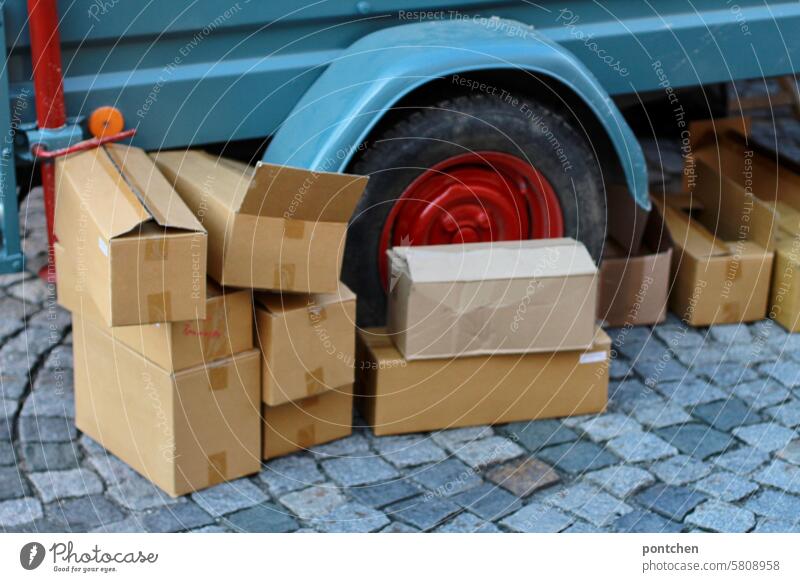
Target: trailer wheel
(469,169)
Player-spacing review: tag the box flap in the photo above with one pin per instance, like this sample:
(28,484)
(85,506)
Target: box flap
(686,231)
(709,131)
(494,261)
(151,188)
(282,302)
(285,192)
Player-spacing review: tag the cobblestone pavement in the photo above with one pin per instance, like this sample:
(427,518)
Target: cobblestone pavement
(700,435)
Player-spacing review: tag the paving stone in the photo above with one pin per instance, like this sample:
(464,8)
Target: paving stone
(399,527)
(112,469)
(446,478)
(608,426)
(352,518)
(582,527)
(671,501)
(91,446)
(354,445)
(635,447)
(788,413)
(49,456)
(488,502)
(12,387)
(578,457)
(791,452)
(656,371)
(721,517)
(726,375)
(313,502)
(680,470)
(453,438)
(775,504)
(423,512)
(679,334)
(537,517)
(12,484)
(640,347)
(53,485)
(780,475)
(353,471)
(741,461)
(383,494)
(621,480)
(84,513)
(523,476)
(539,433)
(618,369)
(465,522)
(589,502)
(128,525)
(766,436)
(16,512)
(7,455)
(30,290)
(175,518)
(761,393)
(9,326)
(696,439)
(765,525)
(726,414)
(211,529)
(784,371)
(731,333)
(627,394)
(262,518)
(60,357)
(53,381)
(690,392)
(488,451)
(652,410)
(49,403)
(229,497)
(138,495)
(726,486)
(8,412)
(46,430)
(573,421)
(638,521)
(409,451)
(290,474)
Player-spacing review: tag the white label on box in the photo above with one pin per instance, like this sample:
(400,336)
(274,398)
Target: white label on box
(103,246)
(593,357)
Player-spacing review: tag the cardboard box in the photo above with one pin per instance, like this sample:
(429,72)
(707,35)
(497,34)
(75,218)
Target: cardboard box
(183,430)
(485,298)
(138,250)
(307,343)
(634,288)
(716,280)
(227,328)
(275,227)
(296,426)
(397,396)
(750,191)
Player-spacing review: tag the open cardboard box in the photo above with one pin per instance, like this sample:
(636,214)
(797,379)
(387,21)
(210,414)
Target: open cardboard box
(138,251)
(269,227)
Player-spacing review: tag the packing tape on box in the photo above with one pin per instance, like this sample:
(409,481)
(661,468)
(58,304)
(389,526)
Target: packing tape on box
(294,229)
(317,314)
(315,381)
(155,249)
(283,276)
(306,437)
(218,378)
(159,306)
(217,468)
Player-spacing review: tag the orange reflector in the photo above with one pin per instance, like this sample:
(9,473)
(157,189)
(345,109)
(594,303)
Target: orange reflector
(106,121)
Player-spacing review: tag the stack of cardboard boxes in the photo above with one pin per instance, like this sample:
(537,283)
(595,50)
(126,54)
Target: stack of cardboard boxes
(485,333)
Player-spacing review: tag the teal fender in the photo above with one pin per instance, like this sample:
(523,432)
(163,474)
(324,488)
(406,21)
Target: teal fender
(338,111)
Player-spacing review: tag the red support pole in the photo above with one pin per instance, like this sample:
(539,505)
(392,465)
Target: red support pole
(48,84)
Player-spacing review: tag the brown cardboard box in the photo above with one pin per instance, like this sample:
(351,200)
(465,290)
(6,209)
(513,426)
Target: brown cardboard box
(138,251)
(301,424)
(307,343)
(634,287)
(716,280)
(227,328)
(274,227)
(398,396)
(750,191)
(182,430)
(485,298)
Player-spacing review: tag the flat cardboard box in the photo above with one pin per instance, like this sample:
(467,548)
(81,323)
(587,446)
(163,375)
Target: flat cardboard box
(634,287)
(307,343)
(298,425)
(486,298)
(274,227)
(752,191)
(716,280)
(182,430)
(138,250)
(227,328)
(397,396)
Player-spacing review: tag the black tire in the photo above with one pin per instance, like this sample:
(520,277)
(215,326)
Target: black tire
(455,126)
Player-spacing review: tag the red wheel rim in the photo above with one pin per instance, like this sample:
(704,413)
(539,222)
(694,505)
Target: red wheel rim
(474,197)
